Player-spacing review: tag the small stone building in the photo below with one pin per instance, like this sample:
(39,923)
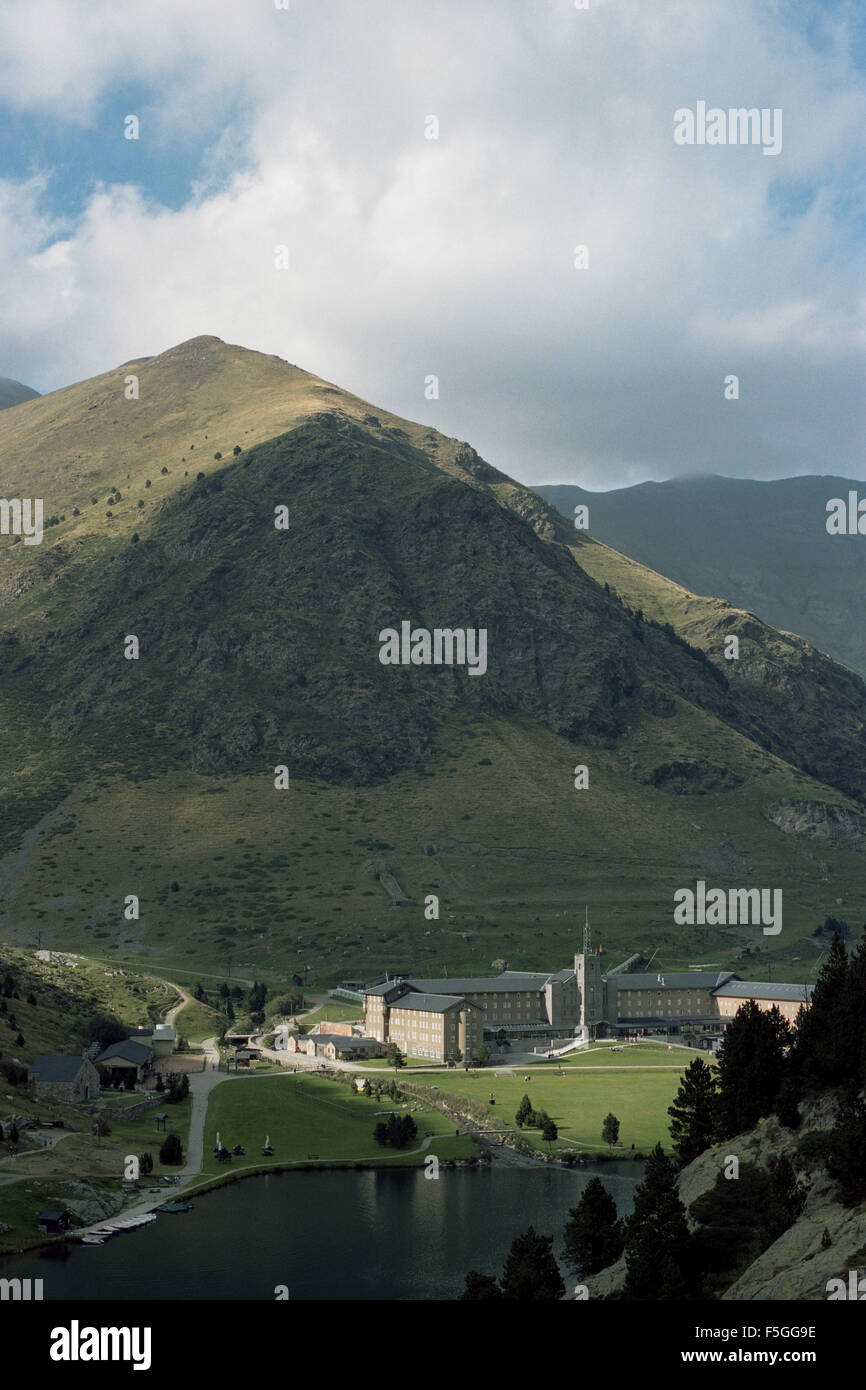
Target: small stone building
(53,1076)
(124,1057)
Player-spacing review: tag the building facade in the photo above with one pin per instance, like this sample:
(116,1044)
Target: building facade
(536,1006)
(52,1076)
(431,1024)
(788,999)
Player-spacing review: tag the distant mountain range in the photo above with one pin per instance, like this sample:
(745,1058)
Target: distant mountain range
(259,648)
(763,545)
(13,392)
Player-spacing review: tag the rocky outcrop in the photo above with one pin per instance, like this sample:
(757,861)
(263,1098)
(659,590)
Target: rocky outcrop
(801,1262)
(87,1203)
(825,1242)
(817,820)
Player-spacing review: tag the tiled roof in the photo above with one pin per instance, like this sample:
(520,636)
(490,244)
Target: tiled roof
(428,1003)
(52,1066)
(128,1051)
(749,989)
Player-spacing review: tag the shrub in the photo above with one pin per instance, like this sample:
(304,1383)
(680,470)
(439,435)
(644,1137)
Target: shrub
(171,1153)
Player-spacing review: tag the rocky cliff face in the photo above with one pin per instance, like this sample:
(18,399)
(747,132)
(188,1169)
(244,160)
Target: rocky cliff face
(799,1264)
(816,820)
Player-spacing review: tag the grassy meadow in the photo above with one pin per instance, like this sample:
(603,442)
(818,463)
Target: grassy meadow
(637,1085)
(308,1115)
(494,829)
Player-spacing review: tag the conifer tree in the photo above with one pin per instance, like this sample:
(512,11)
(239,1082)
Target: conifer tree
(657,1236)
(694,1112)
(593,1233)
(847,1147)
(531,1272)
(524,1113)
(752,1066)
(824,1047)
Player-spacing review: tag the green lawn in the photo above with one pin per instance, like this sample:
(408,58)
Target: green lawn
(336,1011)
(141,1135)
(579,1100)
(310,1115)
(382,1064)
(642,1054)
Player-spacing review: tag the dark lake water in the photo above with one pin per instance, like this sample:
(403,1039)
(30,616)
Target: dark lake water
(329,1235)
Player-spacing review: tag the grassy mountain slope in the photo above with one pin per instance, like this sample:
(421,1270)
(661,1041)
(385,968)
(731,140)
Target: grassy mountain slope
(14,392)
(59,995)
(260,647)
(790,697)
(763,545)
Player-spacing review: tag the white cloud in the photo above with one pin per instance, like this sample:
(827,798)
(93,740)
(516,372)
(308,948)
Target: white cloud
(455,256)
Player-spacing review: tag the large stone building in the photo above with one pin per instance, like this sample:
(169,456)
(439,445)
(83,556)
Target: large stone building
(430,1024)
(635,1001)
(702,1002)
(438,1017)
(535,1007)
(788,999)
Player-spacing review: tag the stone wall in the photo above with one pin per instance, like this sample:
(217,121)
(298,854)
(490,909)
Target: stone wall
(131,1112)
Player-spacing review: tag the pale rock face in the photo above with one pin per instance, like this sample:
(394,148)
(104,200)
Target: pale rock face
(795,1266)
(88,1203)
(817,820)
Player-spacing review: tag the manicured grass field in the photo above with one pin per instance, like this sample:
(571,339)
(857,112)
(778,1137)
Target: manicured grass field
(335,1011)
(382,1064)
(579,1100)
(640,1054)
(309,1115)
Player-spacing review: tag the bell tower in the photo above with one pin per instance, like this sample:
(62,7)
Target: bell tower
(587,969)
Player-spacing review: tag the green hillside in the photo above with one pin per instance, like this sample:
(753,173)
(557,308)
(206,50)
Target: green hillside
(260,648)
(762,545)
(49,999)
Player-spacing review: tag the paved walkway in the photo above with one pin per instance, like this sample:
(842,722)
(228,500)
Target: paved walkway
(200,1086)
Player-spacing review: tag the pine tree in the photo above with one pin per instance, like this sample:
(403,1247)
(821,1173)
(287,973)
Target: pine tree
(824,1046)
(657,1236)
(531,1273)
(853,1025)
(593,1234)
(171,1153)
(524,1113)
(752,1066)
(694,1111)
(847,1147)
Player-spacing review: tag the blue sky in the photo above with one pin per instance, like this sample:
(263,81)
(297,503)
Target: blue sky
(455,256)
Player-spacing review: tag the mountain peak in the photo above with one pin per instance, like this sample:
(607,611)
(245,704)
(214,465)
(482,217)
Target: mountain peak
(14,392)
